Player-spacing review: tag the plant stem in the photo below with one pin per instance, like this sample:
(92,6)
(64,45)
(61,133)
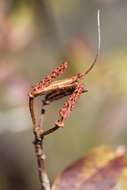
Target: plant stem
(38,145)
(44,181)
(31,108)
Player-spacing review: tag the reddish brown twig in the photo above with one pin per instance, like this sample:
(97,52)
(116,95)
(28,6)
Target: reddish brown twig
(44,181)
(38,145)
(71,87)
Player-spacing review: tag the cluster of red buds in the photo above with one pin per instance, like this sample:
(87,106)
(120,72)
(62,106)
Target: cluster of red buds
(52,76)
(48,79)
(69,104)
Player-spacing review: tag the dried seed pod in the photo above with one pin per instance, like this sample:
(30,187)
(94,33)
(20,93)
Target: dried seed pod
(56,95)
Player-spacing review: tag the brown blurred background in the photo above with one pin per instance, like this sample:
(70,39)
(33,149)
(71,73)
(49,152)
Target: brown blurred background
(35,37)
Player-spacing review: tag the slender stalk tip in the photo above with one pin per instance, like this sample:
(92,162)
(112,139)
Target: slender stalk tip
(99,30)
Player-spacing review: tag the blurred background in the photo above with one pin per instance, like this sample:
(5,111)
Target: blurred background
(37,36)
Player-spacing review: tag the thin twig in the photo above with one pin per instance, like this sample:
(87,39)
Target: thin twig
(44,181)
(98,45)
(69,88)
(45,103)
(38,145)
(53,129)
(31,108)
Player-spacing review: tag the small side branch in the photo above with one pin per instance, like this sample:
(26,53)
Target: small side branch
(53,129)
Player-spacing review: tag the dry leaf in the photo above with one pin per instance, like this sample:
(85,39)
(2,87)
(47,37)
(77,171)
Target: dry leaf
(123,180)
(100,169)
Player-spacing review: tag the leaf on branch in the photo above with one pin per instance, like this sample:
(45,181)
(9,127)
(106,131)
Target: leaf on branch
(100,169)
(123,181)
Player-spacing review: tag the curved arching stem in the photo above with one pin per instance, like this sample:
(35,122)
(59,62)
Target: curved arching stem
(98,44)
(31,107)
